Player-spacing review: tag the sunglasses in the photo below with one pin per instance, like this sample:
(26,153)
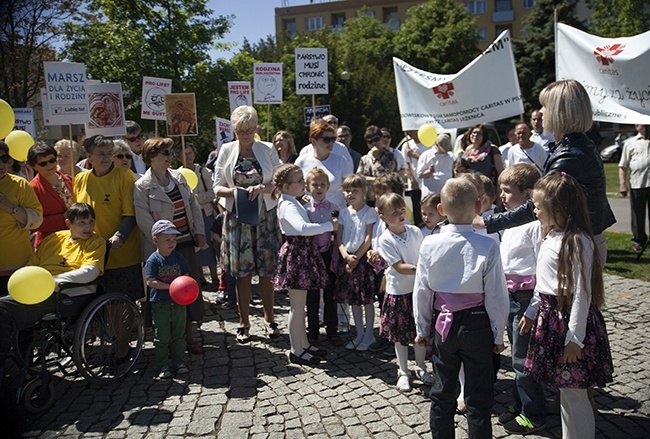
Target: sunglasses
(44,163)
(134,138)
(166,152)
(373,140)
(328,139)
(123,156)
(5,158)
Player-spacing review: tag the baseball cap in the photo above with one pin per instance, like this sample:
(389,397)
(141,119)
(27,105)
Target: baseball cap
(165,227)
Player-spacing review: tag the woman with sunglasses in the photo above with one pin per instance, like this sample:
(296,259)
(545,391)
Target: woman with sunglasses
(20,211)
(379,159)
(163,194)
(246,166)
(53,189)
(322,138)
(123,157)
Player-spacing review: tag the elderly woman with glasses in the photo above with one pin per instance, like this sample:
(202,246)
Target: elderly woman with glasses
(53,189)
(322,138)
(20,211)
(109,190)
(245,168)
(379,159)
(123,157)
(163,194)
(480,154)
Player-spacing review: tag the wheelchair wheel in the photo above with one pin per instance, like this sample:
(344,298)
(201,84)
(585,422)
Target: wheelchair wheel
(108,338)
(36,396)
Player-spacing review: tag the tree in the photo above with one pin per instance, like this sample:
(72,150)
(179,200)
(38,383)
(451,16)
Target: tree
(28,29)
(440,36)
(535,53)
(632,17)
(124,40)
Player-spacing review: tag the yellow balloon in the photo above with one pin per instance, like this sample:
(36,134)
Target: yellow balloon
(427,135)
(257,137)
(7,119)
(19,143)
(31,285)
(190,177)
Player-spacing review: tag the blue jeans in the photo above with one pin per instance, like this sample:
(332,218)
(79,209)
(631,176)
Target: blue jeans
(528,393)
(470,342)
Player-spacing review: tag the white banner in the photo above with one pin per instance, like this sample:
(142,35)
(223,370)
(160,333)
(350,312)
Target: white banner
(224,132)
(67,101)
(153,97)
(267,78)
(25,120)
(106,110)
(239,93)
(487,89)
(311,72)
(614,71)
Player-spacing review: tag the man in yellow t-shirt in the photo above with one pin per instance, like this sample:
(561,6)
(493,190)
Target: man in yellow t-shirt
(74,255)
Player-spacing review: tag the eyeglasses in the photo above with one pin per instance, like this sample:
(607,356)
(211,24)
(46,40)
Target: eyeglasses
(328,139)
(478,133)
(166,152)
(134,138)
(123,156)
(373,140)
(246,132)
(5,158)
(386,136)
(44,163)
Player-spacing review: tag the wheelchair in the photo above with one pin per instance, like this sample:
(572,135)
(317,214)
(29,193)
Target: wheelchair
(98,336)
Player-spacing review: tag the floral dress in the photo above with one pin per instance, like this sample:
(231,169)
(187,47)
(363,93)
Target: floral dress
(250,250)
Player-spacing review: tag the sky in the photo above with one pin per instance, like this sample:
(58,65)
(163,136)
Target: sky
(255,20)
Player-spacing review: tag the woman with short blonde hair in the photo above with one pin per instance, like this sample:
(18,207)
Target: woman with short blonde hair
(567,108)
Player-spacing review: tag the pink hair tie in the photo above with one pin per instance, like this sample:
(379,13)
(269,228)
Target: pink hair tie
(377,211)
(563,173)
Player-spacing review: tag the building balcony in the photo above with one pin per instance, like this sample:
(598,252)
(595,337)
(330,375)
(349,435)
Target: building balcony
(501,16)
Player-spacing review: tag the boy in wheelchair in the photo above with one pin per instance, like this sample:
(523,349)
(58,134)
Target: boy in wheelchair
(72,256)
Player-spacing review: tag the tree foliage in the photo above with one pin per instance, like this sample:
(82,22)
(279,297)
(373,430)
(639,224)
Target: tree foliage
(28,29)
(619,18)
(535,53)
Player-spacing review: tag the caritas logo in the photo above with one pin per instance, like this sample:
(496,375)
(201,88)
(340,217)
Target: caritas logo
(444,91)
(605,55)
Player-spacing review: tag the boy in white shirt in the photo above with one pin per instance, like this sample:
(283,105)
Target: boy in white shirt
(460,276)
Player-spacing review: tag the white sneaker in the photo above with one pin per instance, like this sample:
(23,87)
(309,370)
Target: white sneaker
(365,344)
(403,382)
(424,376)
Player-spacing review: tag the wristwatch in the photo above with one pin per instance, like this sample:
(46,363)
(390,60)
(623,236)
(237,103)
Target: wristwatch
(14,210)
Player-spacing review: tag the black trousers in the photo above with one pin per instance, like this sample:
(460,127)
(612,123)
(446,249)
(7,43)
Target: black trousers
(313,304)
(639,202)
(470,342)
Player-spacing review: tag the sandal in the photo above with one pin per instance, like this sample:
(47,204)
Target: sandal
(243,335)
(305,358)
(272,329)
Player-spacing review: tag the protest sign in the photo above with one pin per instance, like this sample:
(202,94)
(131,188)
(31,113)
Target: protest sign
(311,71)
(25,120)
(267,78)
(485,90)
(106,109)
(321,111)
(181,114)
(224,132)
(614,71)
(67,99)
(153,97)
(239,93)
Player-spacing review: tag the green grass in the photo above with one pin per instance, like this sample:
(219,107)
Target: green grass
(611,176)
(622,261)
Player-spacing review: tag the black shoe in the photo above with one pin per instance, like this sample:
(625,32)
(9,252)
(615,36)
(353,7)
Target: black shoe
(379,345)
(508,415)
(303,359)
(335,339)
(313,350)
(522,425)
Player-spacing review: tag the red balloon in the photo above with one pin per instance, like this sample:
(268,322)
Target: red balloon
(184,290)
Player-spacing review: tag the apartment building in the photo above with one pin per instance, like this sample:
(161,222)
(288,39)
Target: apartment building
(492,16)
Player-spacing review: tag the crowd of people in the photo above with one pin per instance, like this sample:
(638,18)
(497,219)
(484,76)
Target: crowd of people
(496,241)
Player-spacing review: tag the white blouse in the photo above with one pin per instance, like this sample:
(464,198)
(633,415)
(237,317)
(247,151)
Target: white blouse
(394,248)
(354,226)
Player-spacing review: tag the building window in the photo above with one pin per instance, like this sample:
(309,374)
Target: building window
(338,20)
(368,13)
(391,18)
(314,23)
(483,35)
(476,6)
(528,4)
(503,5)
(290,27)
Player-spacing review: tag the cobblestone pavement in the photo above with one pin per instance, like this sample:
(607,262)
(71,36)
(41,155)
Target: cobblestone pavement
(252,391)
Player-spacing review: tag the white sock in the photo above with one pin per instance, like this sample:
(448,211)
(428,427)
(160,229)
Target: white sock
(577,414)
(402,354)
(420,355)
(296,322)
(370,322)
(357,312)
